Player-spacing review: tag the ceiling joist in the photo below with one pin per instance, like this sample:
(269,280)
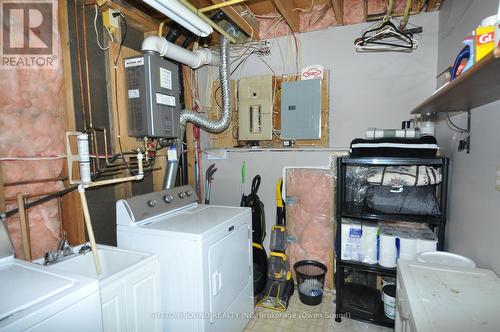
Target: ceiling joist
(338,10)
(431,5)
(285,7)
(249,26)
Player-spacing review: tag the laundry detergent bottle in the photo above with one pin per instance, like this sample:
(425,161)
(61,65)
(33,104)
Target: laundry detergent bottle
(465,58)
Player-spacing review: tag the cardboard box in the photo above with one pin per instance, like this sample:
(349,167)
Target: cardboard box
(484,41)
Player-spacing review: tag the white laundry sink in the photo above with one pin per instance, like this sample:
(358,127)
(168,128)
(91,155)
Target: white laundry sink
(129,285)
(113,261)
(445,258)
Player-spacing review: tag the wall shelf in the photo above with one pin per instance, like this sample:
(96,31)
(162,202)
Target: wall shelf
(478,86)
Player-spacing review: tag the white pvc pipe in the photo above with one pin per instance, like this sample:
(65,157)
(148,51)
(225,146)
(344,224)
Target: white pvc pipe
(172,51)
(182,15)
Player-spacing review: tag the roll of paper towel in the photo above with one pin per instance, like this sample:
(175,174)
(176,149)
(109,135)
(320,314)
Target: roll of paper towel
(388,251)
(426,245)
(369,243)
(407,247)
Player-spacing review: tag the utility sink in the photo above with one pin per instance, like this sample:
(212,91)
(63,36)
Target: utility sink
(113,261)
(129,285)
(445,258)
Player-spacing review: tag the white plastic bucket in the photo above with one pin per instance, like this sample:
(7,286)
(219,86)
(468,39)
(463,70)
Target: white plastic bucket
(389,299)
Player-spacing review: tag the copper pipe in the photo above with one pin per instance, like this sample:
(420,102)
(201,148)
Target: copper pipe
(25,228)
(85,53)
(18,183)
(79,57)
(93,144)
(104,133)
(106,155)
(2,195)
(59,213)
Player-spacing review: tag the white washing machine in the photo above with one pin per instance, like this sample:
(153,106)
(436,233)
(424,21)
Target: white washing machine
(205,257)
(35,299)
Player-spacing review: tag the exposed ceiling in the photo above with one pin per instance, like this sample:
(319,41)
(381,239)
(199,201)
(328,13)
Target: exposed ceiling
(271,18)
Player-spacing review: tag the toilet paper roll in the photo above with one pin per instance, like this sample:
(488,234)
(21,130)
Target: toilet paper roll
(388,251)
(407,248)
(369,244)
(426,245)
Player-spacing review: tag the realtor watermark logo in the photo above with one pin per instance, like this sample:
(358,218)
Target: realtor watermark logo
(28,36)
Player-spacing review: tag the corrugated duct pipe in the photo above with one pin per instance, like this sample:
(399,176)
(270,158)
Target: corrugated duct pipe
(223,122)
(195,59)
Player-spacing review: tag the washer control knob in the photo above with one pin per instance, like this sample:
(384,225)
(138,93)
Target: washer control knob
(168,198)
(182,194)
(189,193)
(152,203)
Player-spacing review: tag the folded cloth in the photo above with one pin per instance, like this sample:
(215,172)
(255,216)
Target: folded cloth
(422,147)
(404,176)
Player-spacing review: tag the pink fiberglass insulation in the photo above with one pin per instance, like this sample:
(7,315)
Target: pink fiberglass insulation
(319,18)
(377,7)
(354,11)
(322,16)
(31,125)
(309,217)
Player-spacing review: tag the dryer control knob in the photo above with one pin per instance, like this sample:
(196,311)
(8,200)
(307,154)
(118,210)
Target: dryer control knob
(152,202)
(168,198)
(189,193)
(182,194)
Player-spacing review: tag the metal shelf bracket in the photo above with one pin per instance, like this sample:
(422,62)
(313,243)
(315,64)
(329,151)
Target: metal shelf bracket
(464,144)
(469,117)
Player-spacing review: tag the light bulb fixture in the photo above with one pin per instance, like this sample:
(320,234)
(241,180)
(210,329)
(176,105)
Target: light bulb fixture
(182,15)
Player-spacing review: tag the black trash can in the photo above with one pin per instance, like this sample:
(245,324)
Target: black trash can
(310,281)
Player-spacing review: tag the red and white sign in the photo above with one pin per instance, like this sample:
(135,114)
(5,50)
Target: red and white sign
(312,72)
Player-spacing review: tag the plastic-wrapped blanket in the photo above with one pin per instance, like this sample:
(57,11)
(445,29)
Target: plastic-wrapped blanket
(309,216)
(31,125)
(404,176)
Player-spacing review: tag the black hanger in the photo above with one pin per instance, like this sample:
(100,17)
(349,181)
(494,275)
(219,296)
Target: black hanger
(405,36)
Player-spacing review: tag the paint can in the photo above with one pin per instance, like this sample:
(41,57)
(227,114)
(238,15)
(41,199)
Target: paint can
(389,299)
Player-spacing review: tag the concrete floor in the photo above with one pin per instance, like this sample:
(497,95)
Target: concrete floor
(302,318)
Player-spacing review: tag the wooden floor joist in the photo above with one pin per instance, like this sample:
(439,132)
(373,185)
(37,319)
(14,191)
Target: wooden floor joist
(291,17)
(431,5)
(248,25)
(71,209)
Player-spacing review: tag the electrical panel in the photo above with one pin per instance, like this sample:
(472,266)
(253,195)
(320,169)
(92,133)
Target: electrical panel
(255,108)
(301,110)
(152,97)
